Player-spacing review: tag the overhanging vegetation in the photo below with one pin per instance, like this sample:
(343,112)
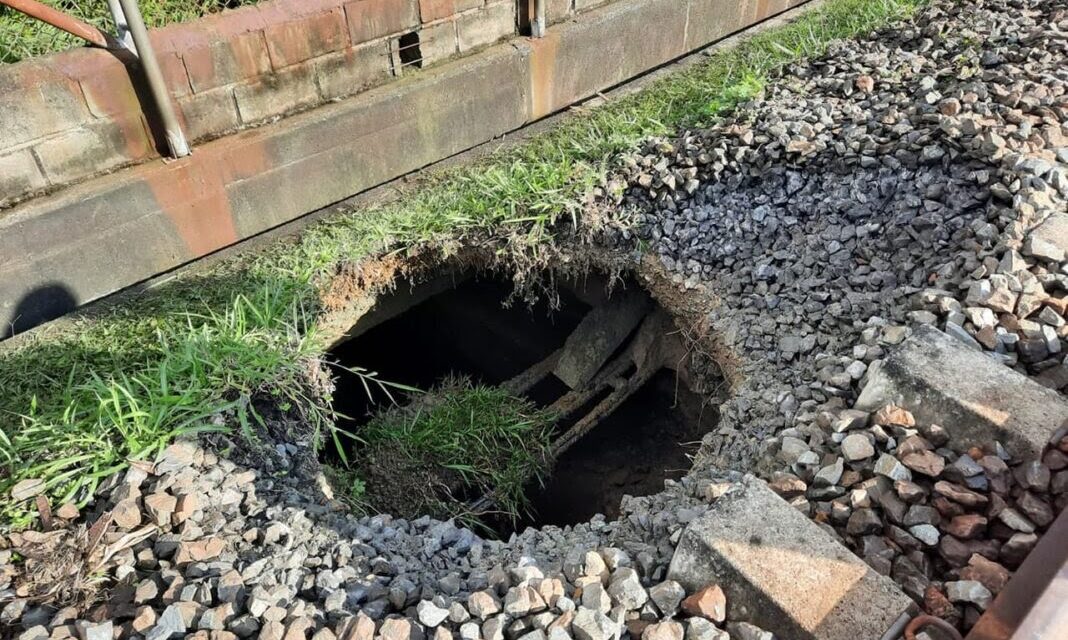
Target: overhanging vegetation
(84,396)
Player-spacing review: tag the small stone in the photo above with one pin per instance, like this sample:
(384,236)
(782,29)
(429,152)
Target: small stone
(1014,520)
(666,630)
(170,624)
(850,419)
(959,494)
(1032,475)
(98,631)
(966,526)
(396,629)
(747,631)
(593,625)
(893,415)
(927,463)
(926,534)
(1016,548)
(856,446)
(701,629)
(160,506)
(176,457)
(889,466)
(969,591)
(992,575)
(482,604)
(709,602)
(667,596)
(626,589)
(864,522)
(199,550)
(829,475)
(431,615)
(126,514)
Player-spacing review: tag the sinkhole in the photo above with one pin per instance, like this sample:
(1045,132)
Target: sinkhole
(458,399)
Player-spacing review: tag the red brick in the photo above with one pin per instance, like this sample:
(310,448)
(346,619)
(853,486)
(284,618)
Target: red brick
(310,37)
(208,114)
(348,72)
(95,148)
(238,58)
(438,42)
(37,100)
(110,88)
(431,10)
(277,94)
(487,26)
(370,19)
(174,73)
(558,11)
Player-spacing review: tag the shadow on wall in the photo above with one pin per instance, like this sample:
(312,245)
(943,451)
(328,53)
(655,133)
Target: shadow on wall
(44,303)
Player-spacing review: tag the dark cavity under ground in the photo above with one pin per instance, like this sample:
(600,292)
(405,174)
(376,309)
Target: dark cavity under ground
(464,328)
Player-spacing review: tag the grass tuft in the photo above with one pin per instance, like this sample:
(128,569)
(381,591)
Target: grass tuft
(488,439)
(85,396)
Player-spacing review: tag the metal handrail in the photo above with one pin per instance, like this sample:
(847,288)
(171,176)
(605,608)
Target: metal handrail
(133,37)
(60,20)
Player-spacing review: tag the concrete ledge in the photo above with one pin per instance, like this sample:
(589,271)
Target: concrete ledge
(943,381)
(88,241)
(784,573)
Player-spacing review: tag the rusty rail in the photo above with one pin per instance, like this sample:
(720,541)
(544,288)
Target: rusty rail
(60,20)
(1034,603)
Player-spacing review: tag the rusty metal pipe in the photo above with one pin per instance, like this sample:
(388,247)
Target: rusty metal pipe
(154,75)
(919,622)
(60,20)
(537,25)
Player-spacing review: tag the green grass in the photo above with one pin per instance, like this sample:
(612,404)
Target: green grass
(82,397)
(23,37)
(493,441)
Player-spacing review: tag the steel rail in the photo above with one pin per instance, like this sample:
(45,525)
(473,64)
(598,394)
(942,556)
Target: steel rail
(1034,603)
(60,20)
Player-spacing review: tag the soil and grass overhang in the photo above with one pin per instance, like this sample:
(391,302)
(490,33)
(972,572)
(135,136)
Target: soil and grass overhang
(83,397)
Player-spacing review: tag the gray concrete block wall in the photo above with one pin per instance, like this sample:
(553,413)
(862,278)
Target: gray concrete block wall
(136,223)
(67,117)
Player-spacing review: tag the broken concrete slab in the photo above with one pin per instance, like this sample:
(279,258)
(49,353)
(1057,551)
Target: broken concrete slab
(598,335)
(976,399)
(784,573)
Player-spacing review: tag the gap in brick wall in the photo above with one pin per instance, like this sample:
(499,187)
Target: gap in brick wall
(409,50)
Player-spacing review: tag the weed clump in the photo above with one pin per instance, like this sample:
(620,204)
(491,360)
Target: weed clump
(450,447)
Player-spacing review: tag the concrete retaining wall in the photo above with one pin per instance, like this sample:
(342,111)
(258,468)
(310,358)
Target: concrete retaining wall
(62,119)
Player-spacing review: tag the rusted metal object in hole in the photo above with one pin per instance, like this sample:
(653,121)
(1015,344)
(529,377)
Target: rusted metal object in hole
(60,20)
(921,622)
(1034,604)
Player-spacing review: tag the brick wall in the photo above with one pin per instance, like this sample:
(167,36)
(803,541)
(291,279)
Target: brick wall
(73,115)
(90,240)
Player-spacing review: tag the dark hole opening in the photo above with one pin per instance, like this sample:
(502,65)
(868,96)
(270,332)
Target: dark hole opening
(409,51)
(459,325)
(524,17)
